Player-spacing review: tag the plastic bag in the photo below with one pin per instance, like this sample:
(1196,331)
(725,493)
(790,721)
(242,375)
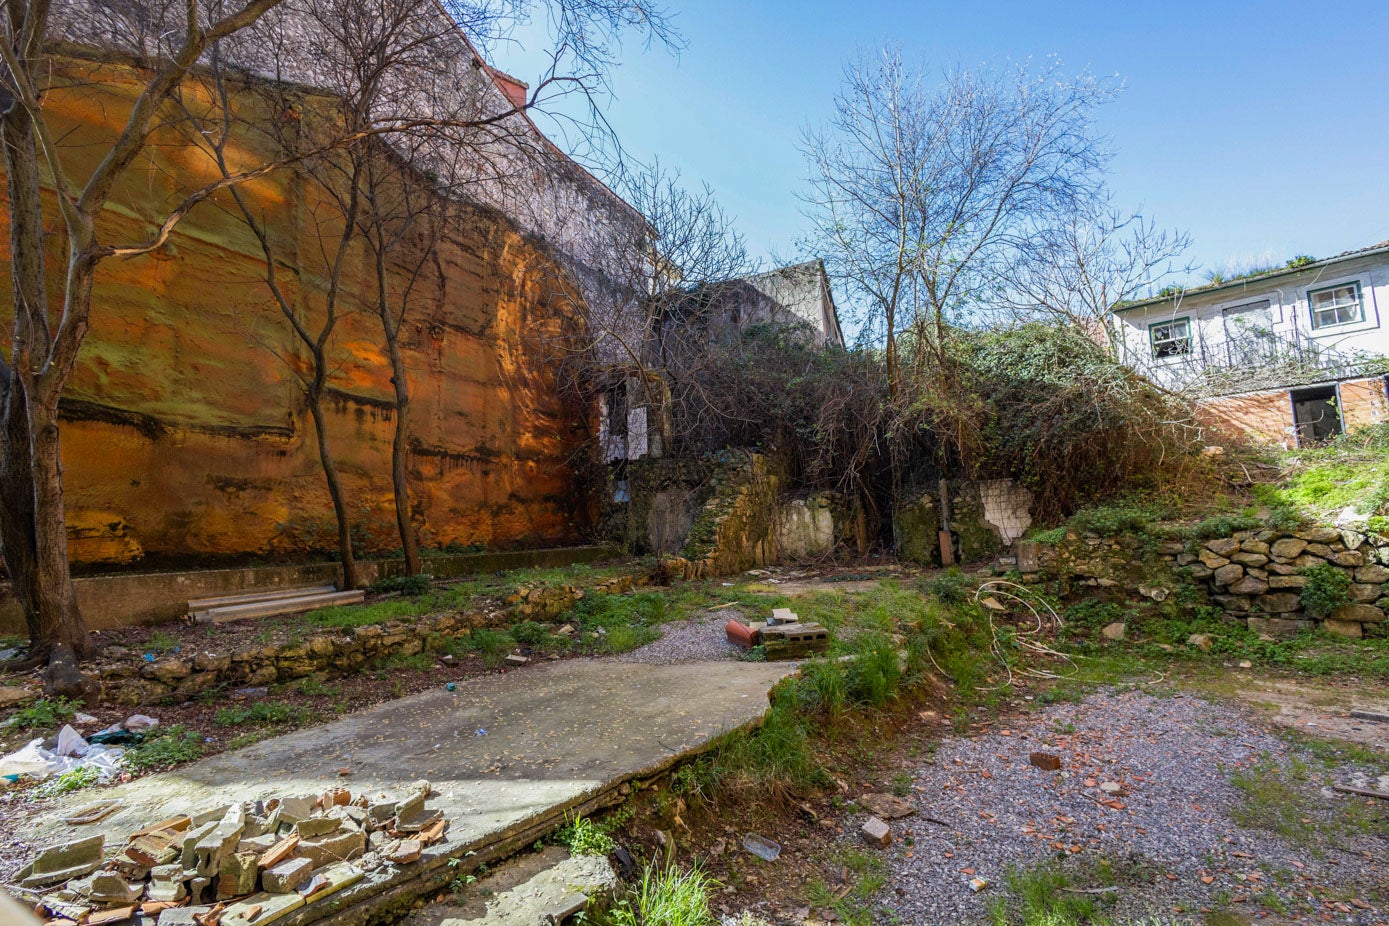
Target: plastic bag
(27,761)
(70,742)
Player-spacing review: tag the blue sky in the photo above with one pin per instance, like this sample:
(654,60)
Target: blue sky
(1261,128)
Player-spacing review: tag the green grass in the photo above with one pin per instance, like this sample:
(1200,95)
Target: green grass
(581,836)
(869,874)
(262,713)
(165,747)
(44,714)
(1272,798)
(1039,897)
(668,896)
(72,780)
(316,688)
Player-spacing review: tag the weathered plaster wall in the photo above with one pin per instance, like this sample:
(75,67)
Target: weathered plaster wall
(185,430)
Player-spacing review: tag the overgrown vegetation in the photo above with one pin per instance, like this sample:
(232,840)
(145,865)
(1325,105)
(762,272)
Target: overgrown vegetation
(164,747)
(1327,589)
(44,714)
(667,896)
(582,836)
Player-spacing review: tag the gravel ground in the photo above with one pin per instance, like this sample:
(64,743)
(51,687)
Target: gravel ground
(696,639)
(1171,827)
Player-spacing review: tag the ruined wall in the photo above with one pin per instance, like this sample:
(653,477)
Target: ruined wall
(185,432)
(1254,577)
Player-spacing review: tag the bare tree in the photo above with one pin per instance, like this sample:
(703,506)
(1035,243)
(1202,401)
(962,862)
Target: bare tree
(920,193)
(1077,269)
(175,42)
(48,329)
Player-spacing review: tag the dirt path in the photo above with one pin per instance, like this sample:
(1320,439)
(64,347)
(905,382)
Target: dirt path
(1210,812)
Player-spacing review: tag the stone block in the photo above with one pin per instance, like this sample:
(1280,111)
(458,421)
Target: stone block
(1348,558)
(1249,586)
(1200,571)
(1233,602)
(111,888)
(1114,631)
(1307,559)
(1319,534)
(1358,614)
(1250,559)
(236,875)
(1274,626)
(1255,546)
(183,916)
(62,862)
(294,809)
(344,846)
(1280,602)
(314,827)
(1288,547)
(1283,581)
(1365,593)
(1373,574)
(287,876)
(1202,641)
(1319,549)
(1227,574)
(876,832)
(1352,629)
(260,909)
(1211,560)
(1223,546)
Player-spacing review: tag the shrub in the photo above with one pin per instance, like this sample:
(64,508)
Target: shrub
(1327,589)
(950,587)
(530,633)
(262,712)
(581,836)
(405,585)
(164,747)
(44,714)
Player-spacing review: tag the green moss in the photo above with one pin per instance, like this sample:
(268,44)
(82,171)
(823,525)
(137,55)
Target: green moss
(918,532)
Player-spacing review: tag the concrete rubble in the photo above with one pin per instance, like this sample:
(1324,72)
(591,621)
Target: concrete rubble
(253,862)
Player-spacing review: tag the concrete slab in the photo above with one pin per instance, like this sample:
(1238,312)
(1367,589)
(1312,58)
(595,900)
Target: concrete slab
(509,756)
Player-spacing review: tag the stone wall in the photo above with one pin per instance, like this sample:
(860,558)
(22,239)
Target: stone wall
(1254,576)
(131,599)
(984,518)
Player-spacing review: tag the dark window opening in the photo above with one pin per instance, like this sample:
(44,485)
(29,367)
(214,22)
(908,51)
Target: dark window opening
(617,410)
(1317,415)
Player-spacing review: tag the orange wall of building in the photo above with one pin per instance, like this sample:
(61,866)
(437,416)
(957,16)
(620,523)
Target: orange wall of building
(186,432)
(1363,402)
(1268,417)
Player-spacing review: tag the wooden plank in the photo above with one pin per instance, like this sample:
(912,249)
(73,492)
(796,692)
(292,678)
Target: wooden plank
(1376,716)
(278,852)
(1363,792)
(207,604)
(286,606)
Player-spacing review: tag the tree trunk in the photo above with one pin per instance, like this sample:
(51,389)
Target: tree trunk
(330,472)
(17,540)
(400,449)
(60,622)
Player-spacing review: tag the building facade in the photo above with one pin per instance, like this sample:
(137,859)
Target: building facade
(1292,356)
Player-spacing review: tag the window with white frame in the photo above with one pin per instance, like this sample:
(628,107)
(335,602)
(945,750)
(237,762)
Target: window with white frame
(1336,305)
(1170,339)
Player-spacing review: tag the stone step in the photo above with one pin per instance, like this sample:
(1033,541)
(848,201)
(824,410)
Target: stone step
(279,606)
(226,601)
(544,888)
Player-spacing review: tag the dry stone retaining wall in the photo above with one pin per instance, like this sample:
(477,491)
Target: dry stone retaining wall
(1255,576)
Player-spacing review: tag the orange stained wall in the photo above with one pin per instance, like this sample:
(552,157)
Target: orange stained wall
(1267,416)
(186,432)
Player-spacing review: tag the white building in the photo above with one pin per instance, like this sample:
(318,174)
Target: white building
(1293,355)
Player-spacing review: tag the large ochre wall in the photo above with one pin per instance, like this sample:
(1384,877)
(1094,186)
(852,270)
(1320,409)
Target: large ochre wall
(185,431)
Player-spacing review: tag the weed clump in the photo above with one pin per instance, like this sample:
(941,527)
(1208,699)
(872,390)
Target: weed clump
(405,585)
(165,747)
(1327,589)
(668,896)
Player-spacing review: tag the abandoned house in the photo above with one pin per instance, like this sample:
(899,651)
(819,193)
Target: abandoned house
(186,433)
(1293,355)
